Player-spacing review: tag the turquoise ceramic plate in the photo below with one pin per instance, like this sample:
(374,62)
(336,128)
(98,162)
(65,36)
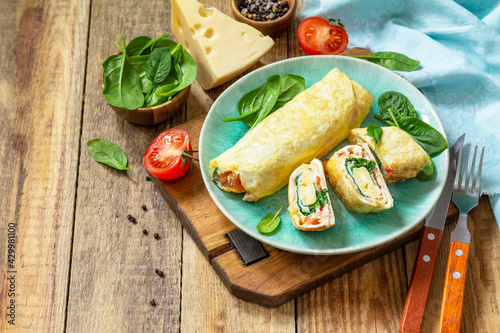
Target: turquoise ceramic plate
(352,232)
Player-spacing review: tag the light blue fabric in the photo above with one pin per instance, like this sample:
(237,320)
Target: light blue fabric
(458,45)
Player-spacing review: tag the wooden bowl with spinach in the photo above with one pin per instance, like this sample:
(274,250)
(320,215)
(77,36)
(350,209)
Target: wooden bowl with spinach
(148,81)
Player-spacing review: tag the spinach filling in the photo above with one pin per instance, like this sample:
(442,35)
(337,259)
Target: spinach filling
(215,177)
(352,163)
(321,199)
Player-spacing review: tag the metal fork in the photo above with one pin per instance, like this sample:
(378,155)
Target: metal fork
(466,194)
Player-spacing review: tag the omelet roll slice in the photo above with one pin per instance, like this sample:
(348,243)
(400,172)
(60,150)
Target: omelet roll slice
(400,156)
(356,179)
(310,206)
(307,127)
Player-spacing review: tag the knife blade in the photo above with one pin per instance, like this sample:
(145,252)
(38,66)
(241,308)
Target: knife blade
(438,217)
(420,283)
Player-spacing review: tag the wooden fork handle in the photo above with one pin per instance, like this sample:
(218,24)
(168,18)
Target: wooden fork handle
(420,283)
(454,286)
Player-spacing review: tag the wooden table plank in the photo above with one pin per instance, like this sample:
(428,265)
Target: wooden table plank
(113,268)
(207,306)
(42,66)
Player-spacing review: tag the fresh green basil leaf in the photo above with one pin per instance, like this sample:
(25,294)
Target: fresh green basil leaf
(392,60)
(375,132)
(139,64)
(158,65)
(108,153)
(189,69)
(135,45)
(269,223)
(122,83)
(399,104)
(426,173)
(272,93)
(424,134)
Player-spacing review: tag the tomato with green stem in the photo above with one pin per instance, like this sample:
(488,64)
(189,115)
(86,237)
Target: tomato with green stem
(319,36)
(167,155)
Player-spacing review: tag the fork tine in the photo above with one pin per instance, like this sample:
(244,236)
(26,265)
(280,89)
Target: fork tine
(464,173)
(471,175)
(457,168)
(478,177)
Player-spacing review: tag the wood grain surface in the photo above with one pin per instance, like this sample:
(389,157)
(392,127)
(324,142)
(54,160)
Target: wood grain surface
(81,266)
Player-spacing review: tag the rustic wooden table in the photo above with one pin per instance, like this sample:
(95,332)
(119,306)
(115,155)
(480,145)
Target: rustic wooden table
(81,266)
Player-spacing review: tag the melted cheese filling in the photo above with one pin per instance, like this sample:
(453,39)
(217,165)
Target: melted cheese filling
(306,190)
(365,182)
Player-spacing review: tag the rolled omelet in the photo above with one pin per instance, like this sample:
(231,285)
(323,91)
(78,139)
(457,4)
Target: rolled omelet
(308,126)
(310,206)
(356,179)
(400,156)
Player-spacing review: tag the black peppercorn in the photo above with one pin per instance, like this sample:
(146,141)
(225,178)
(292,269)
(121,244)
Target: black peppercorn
(156,235)
(148,178)
(152,302)
(145,232)
(144,208)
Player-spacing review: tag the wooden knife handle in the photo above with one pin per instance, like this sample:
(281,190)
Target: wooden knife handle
(420,283)
(454,285)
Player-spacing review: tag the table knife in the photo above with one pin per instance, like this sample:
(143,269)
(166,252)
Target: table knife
(418,291)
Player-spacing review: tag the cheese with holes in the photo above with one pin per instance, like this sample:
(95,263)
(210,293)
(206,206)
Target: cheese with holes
(221,46)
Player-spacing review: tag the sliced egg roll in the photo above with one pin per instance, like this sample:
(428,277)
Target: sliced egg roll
(307,127)
(400,156)
(310,206)
(356,179)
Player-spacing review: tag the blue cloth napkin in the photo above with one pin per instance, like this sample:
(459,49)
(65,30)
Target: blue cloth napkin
(458,45)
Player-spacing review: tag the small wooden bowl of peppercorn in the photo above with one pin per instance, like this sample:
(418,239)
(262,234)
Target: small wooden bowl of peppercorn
(271,17)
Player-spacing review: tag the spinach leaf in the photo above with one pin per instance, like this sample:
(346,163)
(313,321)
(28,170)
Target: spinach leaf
(424,134)
(375,132)
(108,153)
(269,223)
(270,98)
(398,103)
(426,173)
(392,60)
(136,44)
(146,49)
(139,64)
(188,68)
(249,104)
(154,98)
(158,65)
(122,83)
(291,86)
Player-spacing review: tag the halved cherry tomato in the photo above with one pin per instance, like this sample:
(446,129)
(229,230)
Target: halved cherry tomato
(164,157)
(318,36)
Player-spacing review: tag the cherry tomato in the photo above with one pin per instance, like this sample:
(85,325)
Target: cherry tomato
(164,157)
(318,36)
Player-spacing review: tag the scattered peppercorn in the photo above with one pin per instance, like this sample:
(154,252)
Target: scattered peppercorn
(129,217)
(144,208)
(263,10)
(132,219)
(160,273)
(145,232)
(152,302)
(156,235)
(148,178)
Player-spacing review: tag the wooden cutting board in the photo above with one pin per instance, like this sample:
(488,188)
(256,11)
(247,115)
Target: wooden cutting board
(252,271)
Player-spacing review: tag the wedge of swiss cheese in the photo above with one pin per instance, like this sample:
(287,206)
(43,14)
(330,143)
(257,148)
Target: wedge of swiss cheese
(221,46)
